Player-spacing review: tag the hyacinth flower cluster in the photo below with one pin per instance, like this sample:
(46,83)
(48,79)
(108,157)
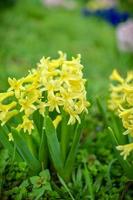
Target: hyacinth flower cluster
(121,102)
(55,90)
(55,84)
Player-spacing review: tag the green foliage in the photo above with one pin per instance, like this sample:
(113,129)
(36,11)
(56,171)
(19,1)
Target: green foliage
(6,3)
(38,31)
(116,130)
(126,5)
(107,176)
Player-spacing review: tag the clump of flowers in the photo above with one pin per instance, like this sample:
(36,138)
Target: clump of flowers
(52,93)
(54,85)
(121,102)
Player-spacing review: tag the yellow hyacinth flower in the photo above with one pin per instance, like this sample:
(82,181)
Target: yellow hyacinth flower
(16,86)
(27,106)
(27,125)
(55,85)
(121,101)
(42,107)
(125,150)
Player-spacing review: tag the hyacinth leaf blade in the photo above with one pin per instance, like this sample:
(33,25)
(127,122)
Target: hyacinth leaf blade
(38,120)
(71,156)
(8,145)
(53,145)
(43,150)
(118,130)
(25,153)
(64,136)
(128,168)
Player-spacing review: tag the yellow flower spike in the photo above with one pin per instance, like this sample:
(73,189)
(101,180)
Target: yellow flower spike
(116,76)
(5,116)
(55,84)
(10,137)
(125,150)
(5,95)
(27,125)
(57,121)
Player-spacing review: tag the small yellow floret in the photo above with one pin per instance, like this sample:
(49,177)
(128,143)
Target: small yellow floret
(10,136)
(27,125)
(57,121)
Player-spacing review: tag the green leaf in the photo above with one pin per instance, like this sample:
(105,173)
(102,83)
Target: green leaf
(66,188)
(7,144)
(53,145)
(43,150)
(71,156)
(38,120)
(65,136)
(45,174)
(3,162)
(34,180)
(25,153)
(40,192)
(4,155)
(89,183)
(128,168)
(109,172)
(37,193)
(118,129)
(98,183)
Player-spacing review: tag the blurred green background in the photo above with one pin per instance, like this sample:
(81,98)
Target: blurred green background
(28,31)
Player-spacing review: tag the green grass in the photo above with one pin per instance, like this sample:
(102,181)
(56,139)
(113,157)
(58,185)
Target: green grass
(29,31)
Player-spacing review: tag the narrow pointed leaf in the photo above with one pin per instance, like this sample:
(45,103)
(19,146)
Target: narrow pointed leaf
(43,150)
(25,153)
(66,188)
(8,145)
(71,156)
(53,145)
